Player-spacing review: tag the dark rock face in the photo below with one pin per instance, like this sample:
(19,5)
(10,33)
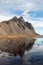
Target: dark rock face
(15,19)
(21,19)
(28,25)
(21,22)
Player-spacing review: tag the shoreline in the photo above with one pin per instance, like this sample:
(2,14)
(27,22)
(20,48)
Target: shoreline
(21,36)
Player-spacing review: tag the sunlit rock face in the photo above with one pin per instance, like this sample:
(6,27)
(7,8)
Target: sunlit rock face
(17,46)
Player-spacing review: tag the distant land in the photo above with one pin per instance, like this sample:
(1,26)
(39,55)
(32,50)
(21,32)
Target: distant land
(17,27)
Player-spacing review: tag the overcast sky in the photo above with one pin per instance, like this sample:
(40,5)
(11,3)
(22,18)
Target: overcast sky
(31,10)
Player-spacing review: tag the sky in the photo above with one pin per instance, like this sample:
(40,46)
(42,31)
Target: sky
(31,10)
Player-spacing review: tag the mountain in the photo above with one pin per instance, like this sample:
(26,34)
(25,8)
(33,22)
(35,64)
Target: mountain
(18,33)
(17,27)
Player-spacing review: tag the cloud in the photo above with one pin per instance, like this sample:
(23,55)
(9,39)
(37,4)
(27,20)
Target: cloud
(9,7)
(15,5)
(37,23)
(2,18)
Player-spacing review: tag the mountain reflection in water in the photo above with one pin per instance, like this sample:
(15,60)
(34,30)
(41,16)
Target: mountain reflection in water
(17,46)
(21,51)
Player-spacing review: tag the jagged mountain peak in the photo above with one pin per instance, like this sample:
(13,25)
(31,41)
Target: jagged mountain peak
(14,19)
(21,18)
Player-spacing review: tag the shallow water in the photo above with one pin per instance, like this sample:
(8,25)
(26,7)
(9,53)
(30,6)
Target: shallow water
(27,54)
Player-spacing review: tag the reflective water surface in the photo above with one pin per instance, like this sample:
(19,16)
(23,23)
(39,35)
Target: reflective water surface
(25,52)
